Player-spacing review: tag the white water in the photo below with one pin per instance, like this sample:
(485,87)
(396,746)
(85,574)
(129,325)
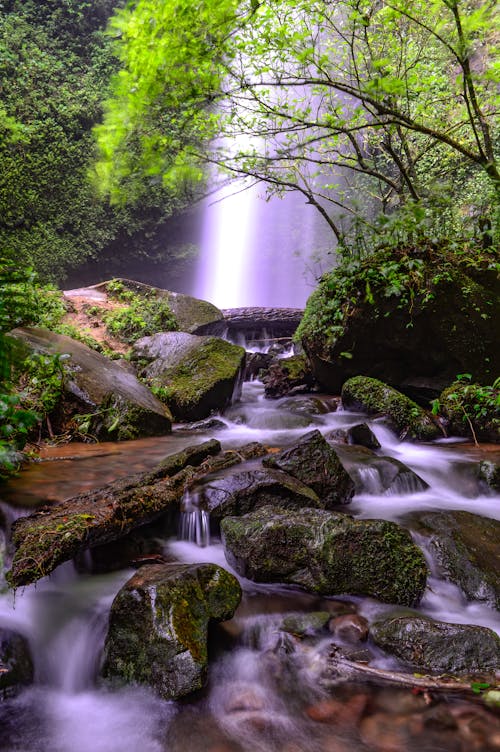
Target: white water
(255,252)
(64,618)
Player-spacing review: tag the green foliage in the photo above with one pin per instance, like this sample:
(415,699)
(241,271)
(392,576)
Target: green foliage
(55,65)
(475,406)
(144,314)
(161,111)
(408,275)
(365,108)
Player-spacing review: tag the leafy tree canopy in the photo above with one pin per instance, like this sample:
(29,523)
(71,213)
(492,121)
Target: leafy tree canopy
(55,65)
(395,102)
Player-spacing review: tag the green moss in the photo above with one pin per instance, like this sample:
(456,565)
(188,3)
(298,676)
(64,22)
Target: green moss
(202,381)
(144,313)
(374,397)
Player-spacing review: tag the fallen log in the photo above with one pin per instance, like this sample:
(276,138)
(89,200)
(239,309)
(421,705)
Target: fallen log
(57,533)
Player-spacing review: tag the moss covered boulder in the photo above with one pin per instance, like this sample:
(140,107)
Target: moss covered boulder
(465,547)
(194,375)
(471,410)
(243,492)
(437,646)
(158,626)
(288,375)
(371,396)
(118,404)
(314,462)
(414,320)
(16,665)
(326,553)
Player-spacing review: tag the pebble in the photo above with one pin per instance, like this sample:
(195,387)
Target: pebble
(349,627)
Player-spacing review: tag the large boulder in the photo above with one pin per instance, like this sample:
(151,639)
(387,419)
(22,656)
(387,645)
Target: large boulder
(194,375)
(243,492)
(16,665)
(437,646)
(313,461)
(326,553)
(411,320)
(158,626)
(121,407)
(371,396)
(192,315)
(465,546)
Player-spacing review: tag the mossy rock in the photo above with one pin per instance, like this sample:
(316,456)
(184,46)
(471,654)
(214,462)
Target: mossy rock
(16,665)
(193,315)
(158,625)
(362,393)
(314,462)
(195,376)
(436,646)
(288,375)
(306,624)
(412,320)
(326,553)
(465,547)
(99,387)
(472,410)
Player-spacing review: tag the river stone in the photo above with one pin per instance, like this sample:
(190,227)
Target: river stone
(241,493)
(313,461)
(16,665)
(288,376)
(465,547)
(196,375)
(327,553)
(123,408)
(437,646)
(489,475)
(371,396)
(306,624)
(377,475)
(158,626)
(363,435)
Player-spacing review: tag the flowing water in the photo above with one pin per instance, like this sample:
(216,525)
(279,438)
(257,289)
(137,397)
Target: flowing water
(254,252)
(264,691)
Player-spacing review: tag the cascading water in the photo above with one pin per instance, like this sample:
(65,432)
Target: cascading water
(259,253)
(194,523)
(264,694)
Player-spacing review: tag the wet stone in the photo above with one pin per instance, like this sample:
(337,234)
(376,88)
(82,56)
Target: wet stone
(350,627)
(363,435)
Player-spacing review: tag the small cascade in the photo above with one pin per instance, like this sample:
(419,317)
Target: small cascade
(369,480)
(194,523)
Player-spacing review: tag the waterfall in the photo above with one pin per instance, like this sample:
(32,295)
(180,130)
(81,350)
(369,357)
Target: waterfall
(255,252)
(194,523)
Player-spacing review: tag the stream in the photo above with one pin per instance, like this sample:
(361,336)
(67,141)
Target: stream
(263,693)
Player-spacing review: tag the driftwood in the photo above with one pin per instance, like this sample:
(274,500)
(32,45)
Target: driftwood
(339,668)
(54,534)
